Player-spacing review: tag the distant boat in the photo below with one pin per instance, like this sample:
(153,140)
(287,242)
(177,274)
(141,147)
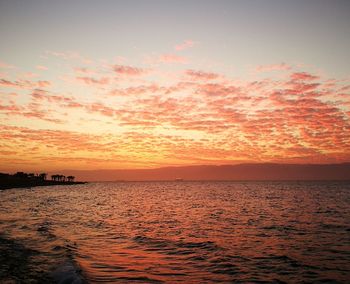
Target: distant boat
(179,179)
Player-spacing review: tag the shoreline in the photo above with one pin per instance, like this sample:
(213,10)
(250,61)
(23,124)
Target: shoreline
(35,183)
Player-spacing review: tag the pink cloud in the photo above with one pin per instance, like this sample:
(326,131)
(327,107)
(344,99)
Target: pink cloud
(70,55)
(100,108)
(173,58)
(300,116)
(304,76)
(41,67)
(273,67)
(63,140)
(39,94)
(218,90)
(58,100)
(7,83)
(129,70)
(43,84)
(10,108)
(42,115)
(185,45)
(83,70)
(137,90)
(29,111)
(24,84)
(29,75)
(93,81)
(200,75)
(4,65)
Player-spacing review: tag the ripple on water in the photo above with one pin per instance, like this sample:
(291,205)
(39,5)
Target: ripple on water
(174,247)
(189,232)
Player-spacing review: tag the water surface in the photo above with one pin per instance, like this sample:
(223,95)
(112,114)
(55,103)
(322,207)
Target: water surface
(172,232)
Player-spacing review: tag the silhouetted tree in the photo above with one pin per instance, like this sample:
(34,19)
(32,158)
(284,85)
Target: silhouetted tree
(54,177)
(43,176)
(61,178)
(31,175)
(70,178)
(21,175)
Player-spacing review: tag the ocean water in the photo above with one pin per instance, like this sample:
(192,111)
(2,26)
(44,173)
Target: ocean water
(176,232)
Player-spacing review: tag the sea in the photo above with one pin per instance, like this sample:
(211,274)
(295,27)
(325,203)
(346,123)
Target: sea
(176,232)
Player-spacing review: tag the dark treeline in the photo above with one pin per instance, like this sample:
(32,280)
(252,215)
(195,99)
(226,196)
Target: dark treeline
(21,179)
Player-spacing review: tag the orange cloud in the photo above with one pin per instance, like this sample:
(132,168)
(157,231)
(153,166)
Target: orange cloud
(196,117)
(30,111)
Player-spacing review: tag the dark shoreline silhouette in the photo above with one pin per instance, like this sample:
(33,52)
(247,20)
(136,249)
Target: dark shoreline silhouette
(25,180)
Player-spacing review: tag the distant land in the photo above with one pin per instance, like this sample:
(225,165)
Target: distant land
(28,180)
(263,171)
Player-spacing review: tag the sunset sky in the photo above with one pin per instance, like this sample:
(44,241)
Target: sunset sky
(145,84)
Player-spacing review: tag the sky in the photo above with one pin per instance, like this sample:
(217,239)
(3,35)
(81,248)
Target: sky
(147,84)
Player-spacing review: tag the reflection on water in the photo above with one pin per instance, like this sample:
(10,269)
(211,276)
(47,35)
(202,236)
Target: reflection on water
(168,232)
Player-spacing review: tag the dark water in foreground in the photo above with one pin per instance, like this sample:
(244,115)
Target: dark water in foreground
(171,232)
